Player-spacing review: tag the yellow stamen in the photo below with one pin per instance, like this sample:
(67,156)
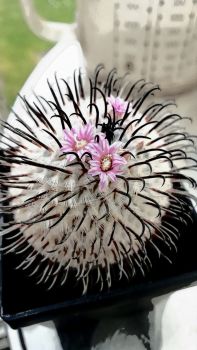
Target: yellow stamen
(106,162)
(80,144)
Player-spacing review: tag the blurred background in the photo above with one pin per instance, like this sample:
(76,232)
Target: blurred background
(155,40)
(20,49)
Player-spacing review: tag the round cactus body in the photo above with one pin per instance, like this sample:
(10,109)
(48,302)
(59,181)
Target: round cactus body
(92,175)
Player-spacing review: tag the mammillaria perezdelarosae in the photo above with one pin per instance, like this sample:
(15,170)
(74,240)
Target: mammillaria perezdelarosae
(93,174)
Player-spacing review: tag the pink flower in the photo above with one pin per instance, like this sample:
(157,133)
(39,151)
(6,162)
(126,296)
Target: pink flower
(78,140)
(118,104)
(106,162)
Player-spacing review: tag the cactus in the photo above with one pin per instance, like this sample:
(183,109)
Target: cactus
(93,174)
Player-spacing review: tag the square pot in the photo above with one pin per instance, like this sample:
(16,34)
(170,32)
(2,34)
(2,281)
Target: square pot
(24,302)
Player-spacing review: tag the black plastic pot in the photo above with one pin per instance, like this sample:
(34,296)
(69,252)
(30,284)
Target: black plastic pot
(25,303)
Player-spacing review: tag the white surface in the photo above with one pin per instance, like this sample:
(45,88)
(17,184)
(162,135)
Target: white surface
(63,59)
(42,337)
(39,337)
(14,339)
(179,321)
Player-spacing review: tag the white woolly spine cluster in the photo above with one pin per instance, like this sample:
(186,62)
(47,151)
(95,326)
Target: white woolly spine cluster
(60,212)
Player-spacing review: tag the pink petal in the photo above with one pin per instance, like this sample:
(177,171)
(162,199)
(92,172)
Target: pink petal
(96,146)
(69,137)
(117,170)
(115,147)
(67,147)
(87,132)
(103,181)
(119,162)
(94,163)
(93,172)
(105,146)
(80,135)
(111,175)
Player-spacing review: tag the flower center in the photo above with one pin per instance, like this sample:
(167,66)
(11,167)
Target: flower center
(80,144)
(106,162)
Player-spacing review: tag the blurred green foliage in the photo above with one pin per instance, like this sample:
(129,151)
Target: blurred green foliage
(56,10)
(20,49)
